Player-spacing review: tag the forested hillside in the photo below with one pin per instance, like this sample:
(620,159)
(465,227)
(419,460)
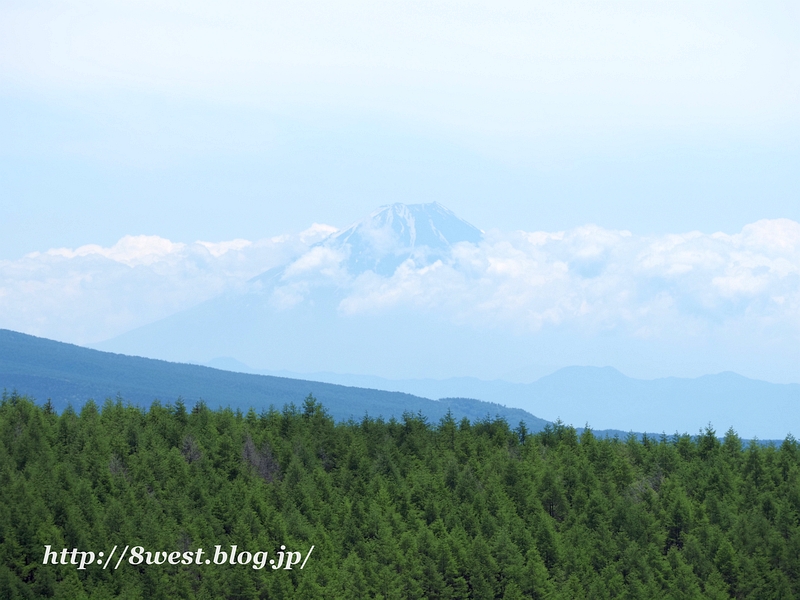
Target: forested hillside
(397,509)
(69,374)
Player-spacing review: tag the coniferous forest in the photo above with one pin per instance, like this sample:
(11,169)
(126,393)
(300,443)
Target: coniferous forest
(393,509)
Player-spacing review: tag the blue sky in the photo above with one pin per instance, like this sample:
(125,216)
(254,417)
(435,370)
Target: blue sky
(254,120)
(191,121)
(72,181)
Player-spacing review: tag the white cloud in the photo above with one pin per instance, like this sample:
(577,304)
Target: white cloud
(91,293)
(597,279)
(317,232)
(130,250)
(588,279)
(220,248)
(319,260)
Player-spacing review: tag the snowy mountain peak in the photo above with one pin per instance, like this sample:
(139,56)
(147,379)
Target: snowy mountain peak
(390,235)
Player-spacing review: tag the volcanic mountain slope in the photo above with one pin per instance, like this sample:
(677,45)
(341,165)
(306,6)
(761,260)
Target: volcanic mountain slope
(391,235)
(68,374)
(324,310)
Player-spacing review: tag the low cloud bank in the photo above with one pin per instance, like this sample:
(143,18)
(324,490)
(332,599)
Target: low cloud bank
(91,293)
(589,279)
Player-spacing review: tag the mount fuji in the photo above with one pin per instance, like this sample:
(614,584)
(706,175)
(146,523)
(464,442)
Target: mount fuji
(381,298)
(391,235)
(416,235)
(311,314)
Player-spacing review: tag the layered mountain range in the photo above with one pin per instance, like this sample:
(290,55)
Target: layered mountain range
(69,375)
(412,298)
(604,398)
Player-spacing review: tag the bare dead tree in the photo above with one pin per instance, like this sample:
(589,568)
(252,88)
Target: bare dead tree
(191,450)
(263,461)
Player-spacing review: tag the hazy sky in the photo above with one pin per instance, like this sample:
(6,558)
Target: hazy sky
(523,302)
(215,121)
(634,164)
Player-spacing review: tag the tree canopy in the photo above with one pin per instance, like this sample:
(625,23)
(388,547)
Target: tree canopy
(395,509)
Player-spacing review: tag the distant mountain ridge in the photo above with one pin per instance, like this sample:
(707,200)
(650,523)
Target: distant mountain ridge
(370,299)
(68,374)
(605,399)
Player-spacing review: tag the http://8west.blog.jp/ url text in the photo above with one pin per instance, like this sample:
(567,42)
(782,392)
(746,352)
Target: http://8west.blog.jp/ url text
(138,555)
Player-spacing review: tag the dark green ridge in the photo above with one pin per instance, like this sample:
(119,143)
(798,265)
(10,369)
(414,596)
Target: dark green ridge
(67,374)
